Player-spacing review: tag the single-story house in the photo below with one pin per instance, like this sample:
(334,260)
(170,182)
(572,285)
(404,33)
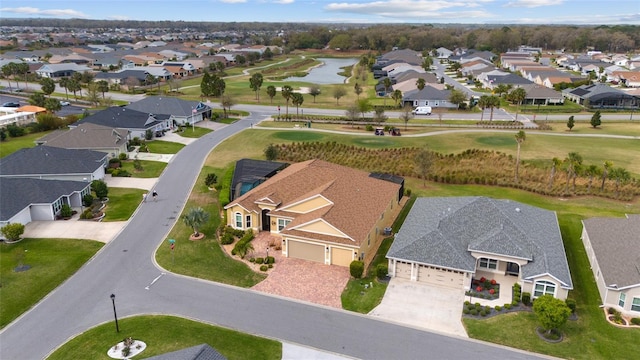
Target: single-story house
(52,163)
(601,96)
(178,111)
(443,53)
(89,136)
(135,122)
(61,70)
(25,200)
(542,95)
(198,352)
(323,212)
(429,96)
(612,248)
(447,241)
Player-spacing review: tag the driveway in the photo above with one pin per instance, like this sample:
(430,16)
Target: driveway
(434,308)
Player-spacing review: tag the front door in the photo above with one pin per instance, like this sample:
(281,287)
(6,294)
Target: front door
(266,224)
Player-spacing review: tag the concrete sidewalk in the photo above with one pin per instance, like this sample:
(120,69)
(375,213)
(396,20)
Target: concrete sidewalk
(298,352)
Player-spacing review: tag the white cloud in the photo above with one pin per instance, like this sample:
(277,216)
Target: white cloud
(49,12)
(284,1)
(414,9)
(533,3)
(584,20)
(118,17)
(233,1)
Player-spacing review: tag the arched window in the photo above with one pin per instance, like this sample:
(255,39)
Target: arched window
(238,218)
(544,287)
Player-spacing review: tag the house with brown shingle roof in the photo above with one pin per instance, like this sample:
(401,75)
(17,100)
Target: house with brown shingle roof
(612,248)
(322,212)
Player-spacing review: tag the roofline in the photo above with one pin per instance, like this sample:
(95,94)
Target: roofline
(354,247)
(562,283)
(440,266)
(623,288)
(307,199)
(297,227)
(489,253)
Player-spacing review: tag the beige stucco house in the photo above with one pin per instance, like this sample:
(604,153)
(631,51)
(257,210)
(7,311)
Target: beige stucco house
(612,248)
(447,241)
(321,211)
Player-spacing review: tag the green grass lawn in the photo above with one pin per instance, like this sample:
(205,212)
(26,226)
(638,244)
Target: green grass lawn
(11,144)
(52,261)
(122,203)
(205,258)
(164,334)
(164,147)
(193,132)
(150,169)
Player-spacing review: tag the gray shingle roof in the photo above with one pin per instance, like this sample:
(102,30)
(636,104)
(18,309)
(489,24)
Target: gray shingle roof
(615,243)
(167,106)
(442,231)
(51,160)
(123,118)
(17,194)
(428,93)
(86,136)
(198,352)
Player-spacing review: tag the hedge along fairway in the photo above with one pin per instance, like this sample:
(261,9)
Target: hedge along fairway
(52,261)
(164,334)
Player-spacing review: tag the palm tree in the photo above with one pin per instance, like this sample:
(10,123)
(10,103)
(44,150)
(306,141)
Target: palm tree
(64,83)
(517,96)
(297,99)
(387,85)
(573,161)
(555,163)
(520,138)
(606,167)
(287,91)
(396,96)
(621,175)
(255,83)
(271,91)
(591,171)
(493,102)
(195,218)
(420,83)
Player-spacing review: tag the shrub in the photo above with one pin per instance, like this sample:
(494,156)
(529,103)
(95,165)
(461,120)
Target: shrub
(611,311)
(66,211)
(259,260)
(270,266)
(270,260)
(13,231)
(252,259)
(465,311)
(224,196)
(507,306)
(356,268)
(492,291)
(487,308)
(483,279)
(137,165)
(498,308)
(477,305)
(493,282)
(226,238)
(479,288)
(122,156)
(514,303)
(114,163)
(483,313)
(264,268)
(526,298)
(369,127)
(473,312)
(382,270)
(466,303)
(100,188)
(87,200)
(635,321)
(87,214)
(211,179)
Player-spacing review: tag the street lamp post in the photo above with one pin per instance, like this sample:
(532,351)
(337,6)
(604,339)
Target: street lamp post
(115,316)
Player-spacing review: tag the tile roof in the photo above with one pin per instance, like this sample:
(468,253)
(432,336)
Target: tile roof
(51,161)
(357,200)
(17,194)
(615,244)
(442,231)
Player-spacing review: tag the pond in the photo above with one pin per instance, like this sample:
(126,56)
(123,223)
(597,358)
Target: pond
(327,73)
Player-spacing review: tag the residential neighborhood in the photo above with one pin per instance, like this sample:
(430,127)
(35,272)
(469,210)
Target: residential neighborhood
(206,174)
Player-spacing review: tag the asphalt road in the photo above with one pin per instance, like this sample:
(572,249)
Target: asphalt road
(125,267)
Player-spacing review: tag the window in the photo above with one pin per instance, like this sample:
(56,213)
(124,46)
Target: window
(488,263)
(247,224)
(621,300)
(544,288)
(238,221)
(635,304)
(282,223)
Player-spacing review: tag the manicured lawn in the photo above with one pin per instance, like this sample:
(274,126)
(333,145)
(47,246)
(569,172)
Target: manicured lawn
(205,258)
(194,132)
(52,261)
(164,147)
(150,169)
(122,203)
(11,144)
(164,334)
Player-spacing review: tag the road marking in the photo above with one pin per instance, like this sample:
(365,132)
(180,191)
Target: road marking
(154,281)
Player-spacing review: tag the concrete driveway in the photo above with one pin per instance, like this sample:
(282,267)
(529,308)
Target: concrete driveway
(434,308)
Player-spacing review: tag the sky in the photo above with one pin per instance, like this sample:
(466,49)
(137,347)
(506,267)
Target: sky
(579,12)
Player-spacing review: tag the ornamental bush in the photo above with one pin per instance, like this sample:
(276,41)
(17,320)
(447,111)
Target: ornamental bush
(571,304)
(382,270)
(473,312)
(635,321)
(13,231)
(264,268)
(356,268)
(87,200)
(526,298)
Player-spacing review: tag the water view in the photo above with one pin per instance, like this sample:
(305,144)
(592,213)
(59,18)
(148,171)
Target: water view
(327,73)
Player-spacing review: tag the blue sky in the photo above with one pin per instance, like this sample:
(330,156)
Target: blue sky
(351,11)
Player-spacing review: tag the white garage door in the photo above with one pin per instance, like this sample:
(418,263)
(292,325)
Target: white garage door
(441,277)
(342,257)
(305,251)
(403,270)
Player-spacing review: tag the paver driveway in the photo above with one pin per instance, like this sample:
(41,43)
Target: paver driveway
(422,305)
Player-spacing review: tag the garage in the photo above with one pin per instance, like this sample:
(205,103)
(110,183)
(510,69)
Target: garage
(441,277)
(342,257)
(305,251)
(403,270)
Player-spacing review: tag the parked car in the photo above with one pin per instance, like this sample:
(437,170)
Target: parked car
(65,103)
(11,104)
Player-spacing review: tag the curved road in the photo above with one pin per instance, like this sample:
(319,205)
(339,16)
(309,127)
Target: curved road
(126,267)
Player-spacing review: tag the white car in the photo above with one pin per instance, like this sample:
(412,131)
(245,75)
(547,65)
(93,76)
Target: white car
(65,103)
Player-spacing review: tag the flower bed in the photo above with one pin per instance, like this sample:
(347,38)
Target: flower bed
(484,289)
